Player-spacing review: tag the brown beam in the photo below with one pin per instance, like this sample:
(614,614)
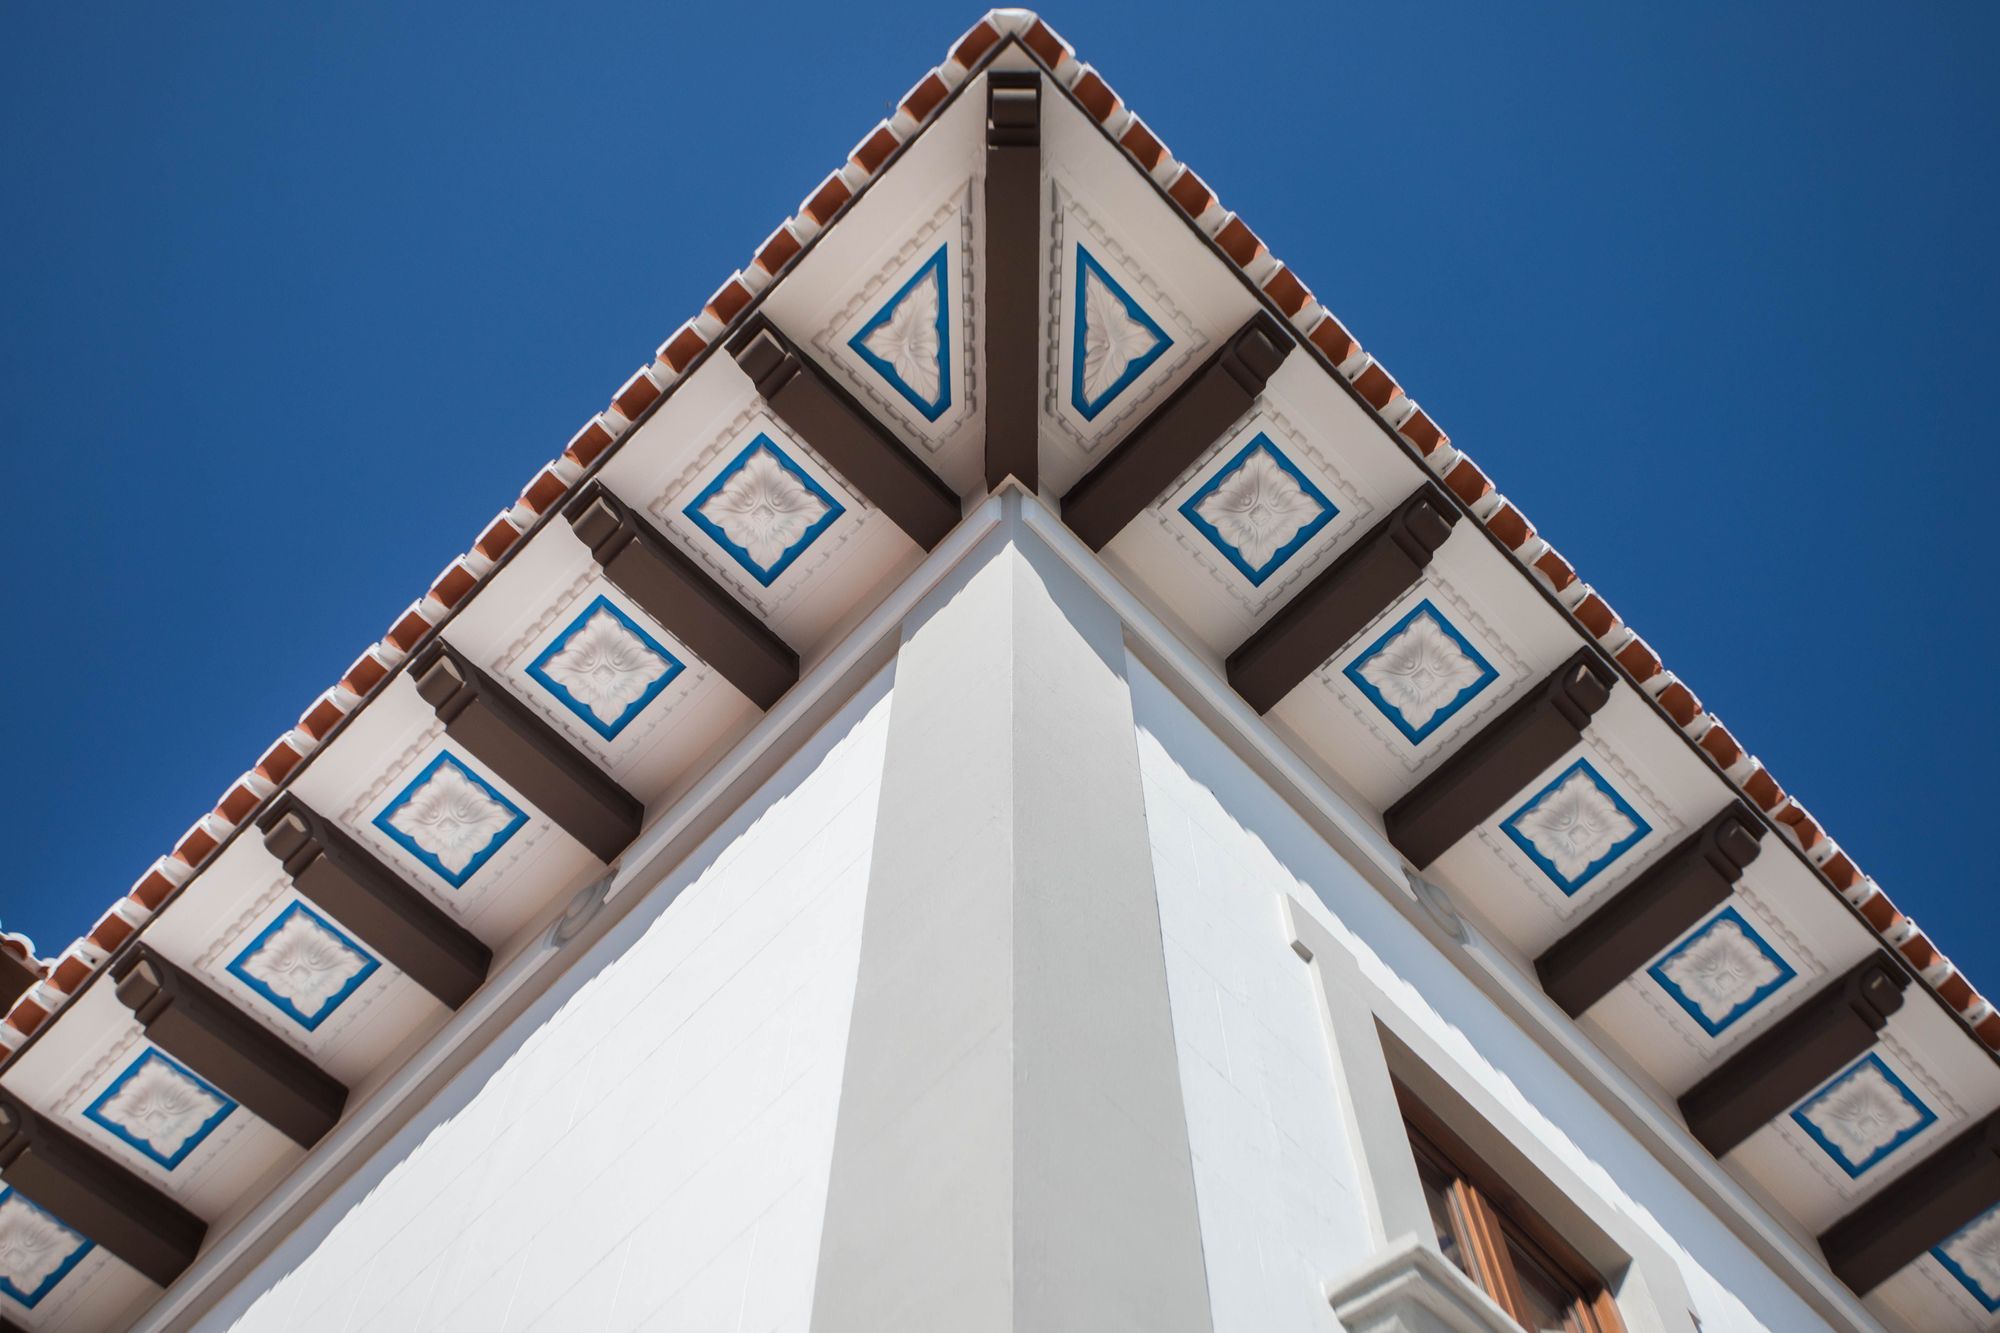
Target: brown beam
(1176,432)
(1651,912)
(1491,769)
(189,1021)
(414,934)
(673,590)
(1925,1206)
(1342,599)
(1795,1055)
(842,432)
(531,756)
(95,1196)
(15,978)
(1013,291)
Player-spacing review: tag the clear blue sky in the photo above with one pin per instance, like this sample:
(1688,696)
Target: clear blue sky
(293,298)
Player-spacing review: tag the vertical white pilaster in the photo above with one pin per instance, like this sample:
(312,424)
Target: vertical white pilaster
(1012,1147)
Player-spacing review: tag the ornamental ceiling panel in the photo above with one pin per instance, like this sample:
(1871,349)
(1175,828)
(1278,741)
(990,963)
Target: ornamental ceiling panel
(1133,299)
(758,510)
(423,804)
(1868,1124)
(146,1110)
(308,978)
(587,659)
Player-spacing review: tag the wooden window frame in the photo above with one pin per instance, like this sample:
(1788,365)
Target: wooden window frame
(1487,1213)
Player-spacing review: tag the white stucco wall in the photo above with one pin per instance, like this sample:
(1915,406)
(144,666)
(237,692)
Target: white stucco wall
(649,1146)
(1278,1185)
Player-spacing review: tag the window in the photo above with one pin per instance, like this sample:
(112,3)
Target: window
(1485,1229)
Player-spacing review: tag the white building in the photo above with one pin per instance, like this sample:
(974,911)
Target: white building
(1012,780)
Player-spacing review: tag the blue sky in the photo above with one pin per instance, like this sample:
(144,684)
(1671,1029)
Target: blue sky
(295,298)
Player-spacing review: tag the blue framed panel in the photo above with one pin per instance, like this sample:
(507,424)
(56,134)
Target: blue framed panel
(1324,511)
(160,1107)
(322,953)
(1455,671)
(448,769)
(765,573)
(1595,814)
(540,671)
(934,271)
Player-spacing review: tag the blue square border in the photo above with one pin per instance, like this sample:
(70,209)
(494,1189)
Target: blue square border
(1617,849)
(766,577)
(1086,263)
(410,845)
(28,1300)
(538,670)
(931,411)
(238,969)
(1257,574)
(1417,735)
(1658,972)
(1990,1304)
(1812,1131)
(95,1111)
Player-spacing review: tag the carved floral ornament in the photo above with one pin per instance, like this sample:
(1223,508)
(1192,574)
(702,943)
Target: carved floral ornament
(604,668)
(908,343)
(764,510)
(450,819)
(1575,824)
(160,1108)
(1722,971)
(303,965)
(1115,339)
(1421,672)
(1259,510)
(36,1250)
(1863,1115)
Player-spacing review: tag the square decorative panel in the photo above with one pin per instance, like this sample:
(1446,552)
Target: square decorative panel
(450,819)
(764,510)
(1420,672)
(907,341)
(36,1250)
(1972,1256)
(304,965)
(160,1107)
(1259,509)
(1722,971)
(1863,1115)
(604,668)
(1576,826)
(1114,339)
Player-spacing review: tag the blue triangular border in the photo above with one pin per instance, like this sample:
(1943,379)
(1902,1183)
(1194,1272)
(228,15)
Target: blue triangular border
(1086,264)
(931,410)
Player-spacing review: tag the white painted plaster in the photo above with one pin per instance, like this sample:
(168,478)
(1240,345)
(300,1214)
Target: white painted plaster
(652,1136)
(1276,1179)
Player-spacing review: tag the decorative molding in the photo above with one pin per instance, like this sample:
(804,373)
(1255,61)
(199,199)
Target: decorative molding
(1420,672)
(1353,590)
(1183,428)
(948,226)
(159,1107)
(672,588)
(536,636)
(867,454)
(1722,971)
(525,752)
(1489,770)
(1411,1288)
(450,819)
(668,509)
(1575,826)
(1474,625)
(1864,1114)
(233,1055)
(1072,226)
(1793,1058)
(303,966)
(37,1249)
(604,669)
(95,1196)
